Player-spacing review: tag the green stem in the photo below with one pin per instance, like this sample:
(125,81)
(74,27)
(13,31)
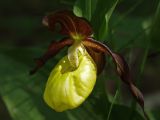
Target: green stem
(111,106)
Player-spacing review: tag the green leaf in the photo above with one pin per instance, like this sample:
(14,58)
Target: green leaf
(84,8)
(103,10)
(77,9)
(13,90)
(103,31)
(22,93)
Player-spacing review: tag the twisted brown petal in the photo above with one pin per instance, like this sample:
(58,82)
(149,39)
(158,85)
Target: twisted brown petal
(53,49)
(122,69)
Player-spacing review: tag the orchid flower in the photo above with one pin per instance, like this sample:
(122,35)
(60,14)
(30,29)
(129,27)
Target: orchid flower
(73,78)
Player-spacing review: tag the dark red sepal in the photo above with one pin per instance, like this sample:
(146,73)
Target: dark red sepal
(70,24)
(53,49)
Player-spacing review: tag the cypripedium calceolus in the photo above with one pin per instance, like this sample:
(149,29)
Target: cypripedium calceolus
(73,78)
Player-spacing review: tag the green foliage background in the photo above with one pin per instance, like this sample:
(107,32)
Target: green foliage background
(129,27)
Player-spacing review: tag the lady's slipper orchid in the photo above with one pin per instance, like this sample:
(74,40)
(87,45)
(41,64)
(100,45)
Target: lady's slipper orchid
(73,78)
(68,86)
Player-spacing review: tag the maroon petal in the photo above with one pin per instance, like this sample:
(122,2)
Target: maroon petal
(70,24)
(122,69)
(97,56)
(53,49)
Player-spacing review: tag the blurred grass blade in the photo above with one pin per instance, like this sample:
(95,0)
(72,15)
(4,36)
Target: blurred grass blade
(111,106)
(88,9)
(103,31)
(102,13)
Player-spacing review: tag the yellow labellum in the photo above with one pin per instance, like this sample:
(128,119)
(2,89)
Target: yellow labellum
(66,87)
